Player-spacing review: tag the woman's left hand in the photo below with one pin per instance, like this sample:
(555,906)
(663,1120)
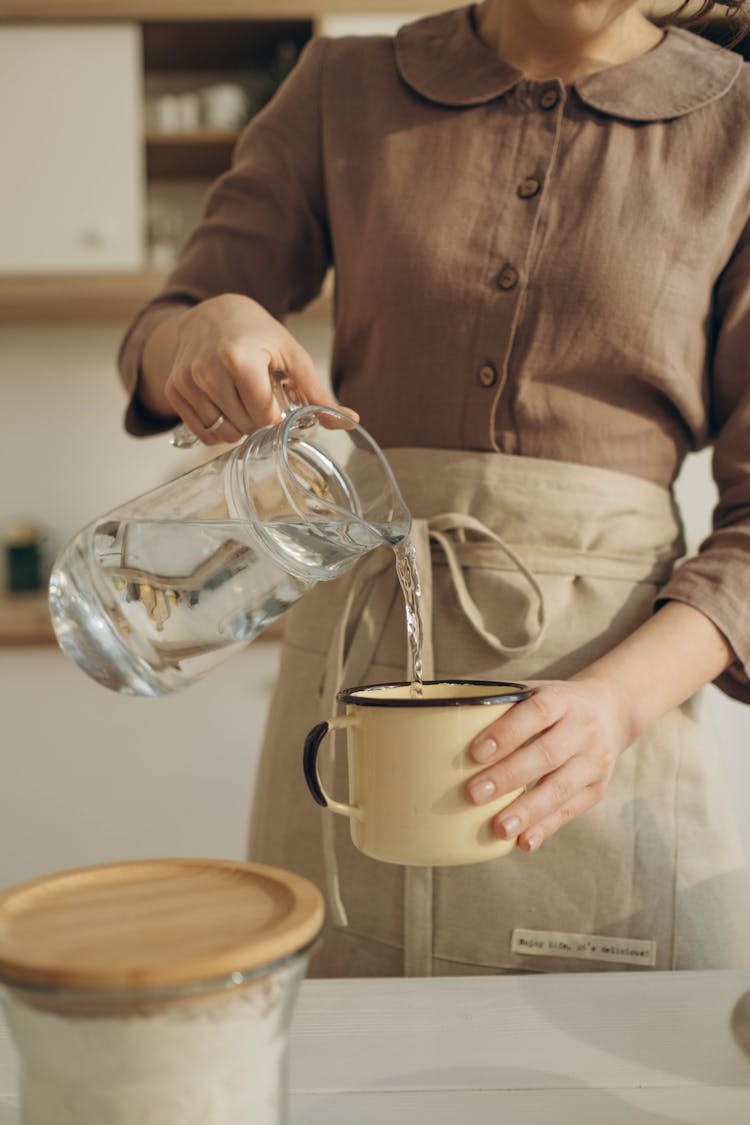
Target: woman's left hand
(566,738)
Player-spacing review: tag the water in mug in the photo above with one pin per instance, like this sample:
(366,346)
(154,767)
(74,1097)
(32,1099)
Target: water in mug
(146,606)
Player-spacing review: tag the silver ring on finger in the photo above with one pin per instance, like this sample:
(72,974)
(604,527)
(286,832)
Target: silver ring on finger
(215,425)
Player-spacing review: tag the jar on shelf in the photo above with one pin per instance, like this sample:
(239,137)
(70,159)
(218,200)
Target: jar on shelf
(157,990)
(23,558)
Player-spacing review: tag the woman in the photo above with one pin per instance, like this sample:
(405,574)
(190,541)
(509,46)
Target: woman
(537,211)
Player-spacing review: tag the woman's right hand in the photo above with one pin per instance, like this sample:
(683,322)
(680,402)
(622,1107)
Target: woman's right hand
(220,354)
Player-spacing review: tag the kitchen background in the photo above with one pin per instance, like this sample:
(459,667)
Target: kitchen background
(114,116)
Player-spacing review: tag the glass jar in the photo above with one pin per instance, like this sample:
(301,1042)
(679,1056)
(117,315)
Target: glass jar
(156,992)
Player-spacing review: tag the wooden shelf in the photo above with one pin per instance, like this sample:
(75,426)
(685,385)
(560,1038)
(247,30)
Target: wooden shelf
(199,9)
(95,298)
(200,155)
(75,298)
(194,137)
(25,620)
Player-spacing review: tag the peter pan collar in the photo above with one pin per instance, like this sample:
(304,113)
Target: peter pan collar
(444,60)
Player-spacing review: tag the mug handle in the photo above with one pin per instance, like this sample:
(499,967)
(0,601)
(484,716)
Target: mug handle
(310,765)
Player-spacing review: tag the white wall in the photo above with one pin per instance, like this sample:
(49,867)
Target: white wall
(71,193)
(64,457)
(364,23)
(89,776)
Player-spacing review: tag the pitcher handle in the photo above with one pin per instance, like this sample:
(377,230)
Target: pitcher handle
(310,765)
(281,385)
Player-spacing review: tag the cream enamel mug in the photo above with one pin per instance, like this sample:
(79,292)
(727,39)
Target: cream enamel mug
(409,762)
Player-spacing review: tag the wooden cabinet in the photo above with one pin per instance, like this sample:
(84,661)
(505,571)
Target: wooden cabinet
(66,259)
(71,191)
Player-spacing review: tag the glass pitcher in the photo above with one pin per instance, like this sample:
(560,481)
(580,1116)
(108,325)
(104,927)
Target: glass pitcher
(152,595)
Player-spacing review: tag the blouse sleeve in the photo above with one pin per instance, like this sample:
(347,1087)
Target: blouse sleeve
(717,579)
(264,230)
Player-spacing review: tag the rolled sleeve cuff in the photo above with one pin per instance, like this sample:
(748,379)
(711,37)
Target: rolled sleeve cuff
(138,420)
(697,583)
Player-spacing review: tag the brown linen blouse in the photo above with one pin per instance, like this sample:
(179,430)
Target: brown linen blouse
(545,270)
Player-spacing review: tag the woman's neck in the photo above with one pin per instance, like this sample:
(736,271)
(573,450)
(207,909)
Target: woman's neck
(565,39)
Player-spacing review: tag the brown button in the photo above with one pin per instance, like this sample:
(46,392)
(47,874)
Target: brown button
(528,188)
(487,375)
(549,98)
(508,277)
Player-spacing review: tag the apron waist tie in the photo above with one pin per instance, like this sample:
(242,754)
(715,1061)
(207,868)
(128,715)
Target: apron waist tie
(439,527)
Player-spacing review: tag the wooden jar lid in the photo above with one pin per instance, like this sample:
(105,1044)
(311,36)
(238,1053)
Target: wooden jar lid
(153,923)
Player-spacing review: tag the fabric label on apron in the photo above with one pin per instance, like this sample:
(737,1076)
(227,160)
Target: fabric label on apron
(589,947)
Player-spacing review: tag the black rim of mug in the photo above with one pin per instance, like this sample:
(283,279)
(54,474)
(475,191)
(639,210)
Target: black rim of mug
(498,691)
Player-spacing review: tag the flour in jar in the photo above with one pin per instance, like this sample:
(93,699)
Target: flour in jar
(207,1060)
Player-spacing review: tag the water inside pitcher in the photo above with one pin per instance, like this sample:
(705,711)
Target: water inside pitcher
(152,595)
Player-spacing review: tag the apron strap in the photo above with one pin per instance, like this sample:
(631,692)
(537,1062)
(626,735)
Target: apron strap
(350,666)
(417,921)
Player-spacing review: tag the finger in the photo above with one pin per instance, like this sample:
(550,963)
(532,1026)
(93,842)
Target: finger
(249,372)
(551,793)
(540,756)
(199,423)
(519,724)
(301,370)
(336,422)
(532,838)
(210,393)
(218,385)
(252,369)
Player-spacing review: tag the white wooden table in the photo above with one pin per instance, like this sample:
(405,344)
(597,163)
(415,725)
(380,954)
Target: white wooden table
(576,1049)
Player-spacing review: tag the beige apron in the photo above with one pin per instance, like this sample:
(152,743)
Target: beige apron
(530,569)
